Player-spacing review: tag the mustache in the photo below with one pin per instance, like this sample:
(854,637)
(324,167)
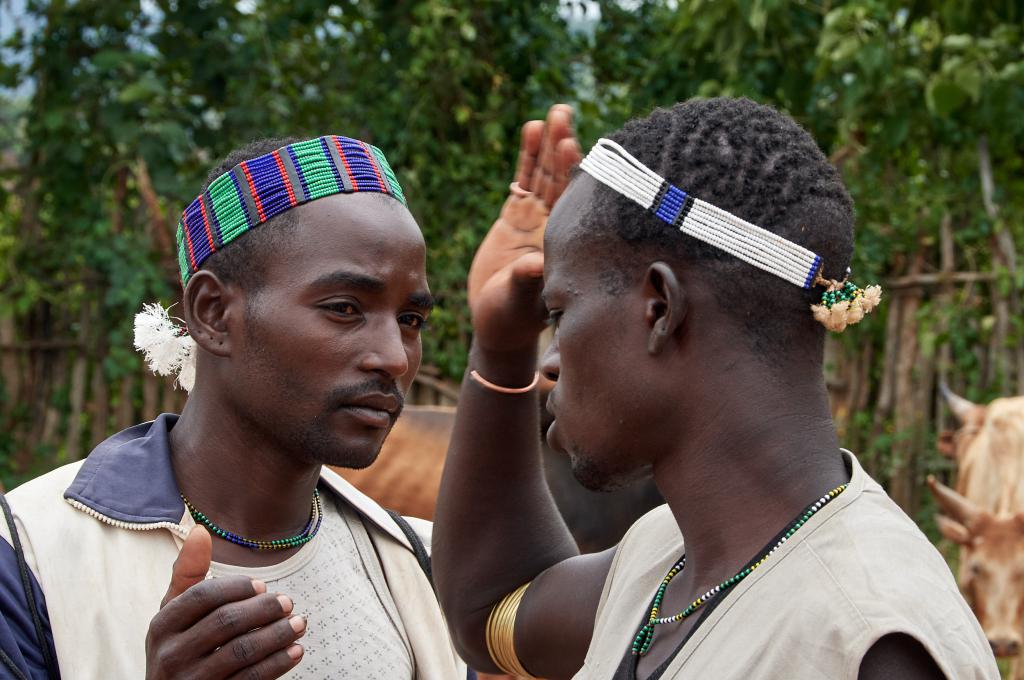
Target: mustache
(343,396)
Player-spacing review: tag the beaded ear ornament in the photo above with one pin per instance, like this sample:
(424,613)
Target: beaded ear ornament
(842,304)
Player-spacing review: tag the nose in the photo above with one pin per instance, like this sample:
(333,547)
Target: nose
(1008,645)
(549,362)
(387,352)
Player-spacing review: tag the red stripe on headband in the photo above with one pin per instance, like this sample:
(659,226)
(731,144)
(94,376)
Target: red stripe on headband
(373,162)
(188,239)
(252,190)
(348,170)
(206,223)
(284,177)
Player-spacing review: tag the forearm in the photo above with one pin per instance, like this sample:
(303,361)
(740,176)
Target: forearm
(497,525)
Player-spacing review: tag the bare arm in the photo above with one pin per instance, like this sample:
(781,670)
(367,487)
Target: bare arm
(898,657)
(497,526)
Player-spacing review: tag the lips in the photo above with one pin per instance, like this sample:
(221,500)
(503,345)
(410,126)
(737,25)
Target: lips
(373,410)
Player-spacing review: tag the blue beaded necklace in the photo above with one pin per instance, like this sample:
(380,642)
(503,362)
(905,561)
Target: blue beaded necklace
(312,526)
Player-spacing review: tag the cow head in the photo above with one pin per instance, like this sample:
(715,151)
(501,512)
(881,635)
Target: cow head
(970,418)
(992,565)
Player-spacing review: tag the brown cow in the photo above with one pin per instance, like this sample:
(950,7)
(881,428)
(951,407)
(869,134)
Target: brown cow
(992,565)
(988,447)
(985,515)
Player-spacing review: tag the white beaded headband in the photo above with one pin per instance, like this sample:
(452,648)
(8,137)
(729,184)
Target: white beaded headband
(842,304)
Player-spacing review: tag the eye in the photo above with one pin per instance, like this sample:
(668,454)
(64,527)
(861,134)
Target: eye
(977,569)
(554,316)
(342,308)
(413,321)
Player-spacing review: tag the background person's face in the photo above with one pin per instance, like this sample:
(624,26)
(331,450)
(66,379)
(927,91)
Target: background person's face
(331,342)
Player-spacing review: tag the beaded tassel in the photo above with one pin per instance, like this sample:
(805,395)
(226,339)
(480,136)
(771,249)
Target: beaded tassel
(312,527)
(844,304)
(642,641)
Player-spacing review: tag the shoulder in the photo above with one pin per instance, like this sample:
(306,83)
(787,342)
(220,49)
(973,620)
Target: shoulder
(902,599)
(39,502)
(378,519)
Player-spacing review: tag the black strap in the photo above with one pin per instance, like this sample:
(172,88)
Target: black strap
(11,666)
(418,549)
(30,596)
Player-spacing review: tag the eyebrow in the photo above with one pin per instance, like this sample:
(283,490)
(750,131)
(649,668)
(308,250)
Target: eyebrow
(370,284)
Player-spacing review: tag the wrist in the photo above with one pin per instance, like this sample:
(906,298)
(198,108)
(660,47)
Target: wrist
(511,368)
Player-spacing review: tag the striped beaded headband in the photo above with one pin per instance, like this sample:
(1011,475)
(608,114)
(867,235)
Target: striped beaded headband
(842,303)
(256,190)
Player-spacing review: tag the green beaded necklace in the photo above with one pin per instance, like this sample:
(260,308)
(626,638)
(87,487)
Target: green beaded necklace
(642,641)
(312,526)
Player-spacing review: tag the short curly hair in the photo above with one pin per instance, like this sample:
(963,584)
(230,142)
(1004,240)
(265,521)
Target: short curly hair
(754,162)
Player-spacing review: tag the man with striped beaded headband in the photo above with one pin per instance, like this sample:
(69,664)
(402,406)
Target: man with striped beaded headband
(304,295)
(689,272)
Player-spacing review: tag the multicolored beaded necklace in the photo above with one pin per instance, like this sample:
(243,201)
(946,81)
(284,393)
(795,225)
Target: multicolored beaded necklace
(642,641)
(316,515)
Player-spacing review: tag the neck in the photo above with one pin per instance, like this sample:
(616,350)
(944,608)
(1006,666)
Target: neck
(228,472)
(750,466)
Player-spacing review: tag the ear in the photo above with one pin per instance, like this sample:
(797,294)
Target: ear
(666,305)
(945,444)
(207,305)
(953,530)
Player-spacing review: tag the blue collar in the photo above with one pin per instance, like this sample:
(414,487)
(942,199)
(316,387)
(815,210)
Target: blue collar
(129,476)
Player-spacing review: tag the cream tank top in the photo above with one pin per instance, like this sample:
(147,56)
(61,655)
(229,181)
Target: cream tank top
(353,628)
(858,570)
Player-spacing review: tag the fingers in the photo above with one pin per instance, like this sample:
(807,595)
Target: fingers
(192,564)
(529,145)
(274,666)
(233,620)
(546,174)
(266,652)
(198,601)
(567,155)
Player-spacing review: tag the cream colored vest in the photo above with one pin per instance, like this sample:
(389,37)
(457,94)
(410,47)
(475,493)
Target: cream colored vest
(860,569)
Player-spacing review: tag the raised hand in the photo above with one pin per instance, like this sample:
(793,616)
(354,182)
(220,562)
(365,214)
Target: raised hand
(506,276)
(228,627)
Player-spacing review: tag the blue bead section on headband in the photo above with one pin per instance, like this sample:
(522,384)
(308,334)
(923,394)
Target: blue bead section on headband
(814,270)
(361,168)
(671,204)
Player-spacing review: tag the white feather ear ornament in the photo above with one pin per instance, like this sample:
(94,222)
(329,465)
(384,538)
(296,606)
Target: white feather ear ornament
(843,303)
(166,345)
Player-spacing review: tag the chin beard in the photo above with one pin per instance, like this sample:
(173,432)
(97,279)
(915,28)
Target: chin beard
(604,478)
(324,447)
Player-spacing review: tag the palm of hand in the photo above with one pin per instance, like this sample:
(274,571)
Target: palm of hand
(505,278)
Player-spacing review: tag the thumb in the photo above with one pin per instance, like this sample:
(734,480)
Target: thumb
(192,564)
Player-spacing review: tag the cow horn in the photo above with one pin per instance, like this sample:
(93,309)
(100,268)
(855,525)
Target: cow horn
(954,505)
(957,404)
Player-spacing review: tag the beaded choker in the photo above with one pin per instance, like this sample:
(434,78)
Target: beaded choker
(316,516)
(617,169)
(257,190)
(642,641)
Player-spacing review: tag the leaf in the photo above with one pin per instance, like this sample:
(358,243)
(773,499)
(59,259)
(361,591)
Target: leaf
(943,97)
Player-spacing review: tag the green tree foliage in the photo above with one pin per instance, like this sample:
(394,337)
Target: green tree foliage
(128,102)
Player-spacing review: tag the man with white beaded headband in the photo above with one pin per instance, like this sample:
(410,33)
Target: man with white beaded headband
(689,271)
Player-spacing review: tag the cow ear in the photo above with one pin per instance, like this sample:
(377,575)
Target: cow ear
(945,444)
(953,530)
